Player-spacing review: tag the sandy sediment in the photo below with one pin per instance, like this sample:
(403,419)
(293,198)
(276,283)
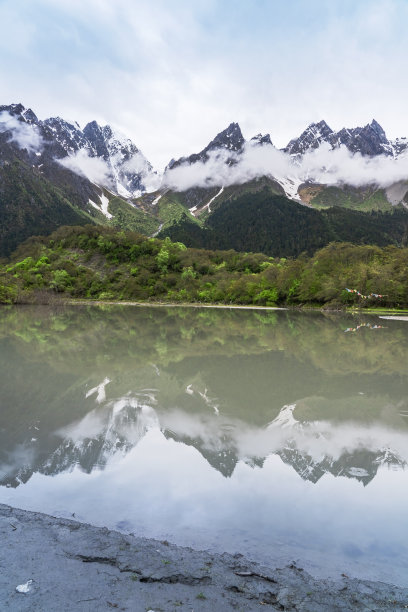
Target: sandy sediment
(81,302)
(50,564)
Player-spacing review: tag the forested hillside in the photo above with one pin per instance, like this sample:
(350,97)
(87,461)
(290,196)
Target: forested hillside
(277,226)
(105,264)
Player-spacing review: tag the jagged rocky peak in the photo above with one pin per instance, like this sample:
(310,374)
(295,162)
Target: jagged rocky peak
(368,140)
(68,134)
(311,138)
(22,113)
(107,142)
(96,137)
(231,138)
(129,167)
(127,170)
(122,146)
(261,139)
(376,127)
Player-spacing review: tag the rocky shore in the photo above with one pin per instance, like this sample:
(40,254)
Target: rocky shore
(50,564)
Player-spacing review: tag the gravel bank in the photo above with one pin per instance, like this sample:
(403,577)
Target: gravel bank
(74,566)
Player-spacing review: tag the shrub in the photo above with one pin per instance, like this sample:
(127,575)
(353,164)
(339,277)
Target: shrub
(188,273)
(61,280)
(269,297)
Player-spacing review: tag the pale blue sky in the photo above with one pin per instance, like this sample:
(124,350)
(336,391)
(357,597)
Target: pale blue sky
(171,74)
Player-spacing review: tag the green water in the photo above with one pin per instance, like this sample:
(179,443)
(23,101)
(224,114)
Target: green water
(281,435)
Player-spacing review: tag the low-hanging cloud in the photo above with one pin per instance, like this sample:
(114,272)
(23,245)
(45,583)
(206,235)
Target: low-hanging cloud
(323,165)
(340,166)
(94,169)
(101,172)
(26,136)
(138,164)
(135,164)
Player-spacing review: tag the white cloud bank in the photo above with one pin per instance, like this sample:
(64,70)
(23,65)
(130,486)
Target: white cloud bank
(115,176)
(25,135)
(187,69)
(93,168)
(323,165)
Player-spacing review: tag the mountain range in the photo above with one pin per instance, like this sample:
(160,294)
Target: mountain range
(369,140)
(54,173)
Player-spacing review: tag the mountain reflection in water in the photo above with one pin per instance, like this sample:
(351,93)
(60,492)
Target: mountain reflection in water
(271,433)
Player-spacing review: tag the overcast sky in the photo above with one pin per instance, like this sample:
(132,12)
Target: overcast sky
(171,74)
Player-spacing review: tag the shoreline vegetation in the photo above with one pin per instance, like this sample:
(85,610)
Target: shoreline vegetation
(103,265)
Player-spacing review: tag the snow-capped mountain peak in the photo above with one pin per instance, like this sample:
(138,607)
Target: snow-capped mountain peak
(369,140)
(68,135)
(20,112)
(311,138)
(128,166)
(126,169)
(230,140)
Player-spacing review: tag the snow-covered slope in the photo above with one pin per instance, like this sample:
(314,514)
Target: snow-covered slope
(369,140)
(109,159)
(129,169)
(116,162)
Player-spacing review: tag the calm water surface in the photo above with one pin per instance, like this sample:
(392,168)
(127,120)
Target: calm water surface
(280,435)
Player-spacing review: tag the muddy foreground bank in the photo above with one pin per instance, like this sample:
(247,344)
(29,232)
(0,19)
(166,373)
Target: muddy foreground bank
(50,564)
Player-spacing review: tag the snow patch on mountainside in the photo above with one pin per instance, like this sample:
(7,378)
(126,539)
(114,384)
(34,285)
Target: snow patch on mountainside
(207,206)
(156,200)
(291,185)
(352,156)
(103,207)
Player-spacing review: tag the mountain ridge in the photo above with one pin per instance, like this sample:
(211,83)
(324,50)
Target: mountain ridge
(369,140)
(126,165)
(98,175)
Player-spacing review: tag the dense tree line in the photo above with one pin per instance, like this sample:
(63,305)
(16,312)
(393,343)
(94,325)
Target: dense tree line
(272,224)
(106,264)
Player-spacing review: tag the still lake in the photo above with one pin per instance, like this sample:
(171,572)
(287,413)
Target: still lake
(277,434)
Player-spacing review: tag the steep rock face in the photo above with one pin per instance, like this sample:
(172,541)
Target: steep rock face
(311,138)
(40,145)
(369,140)
(83,165)
(230,140)
(37,193)
(127,170)
(20,112)
(127,163)
(68,136)
(97,136)
(226,146)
